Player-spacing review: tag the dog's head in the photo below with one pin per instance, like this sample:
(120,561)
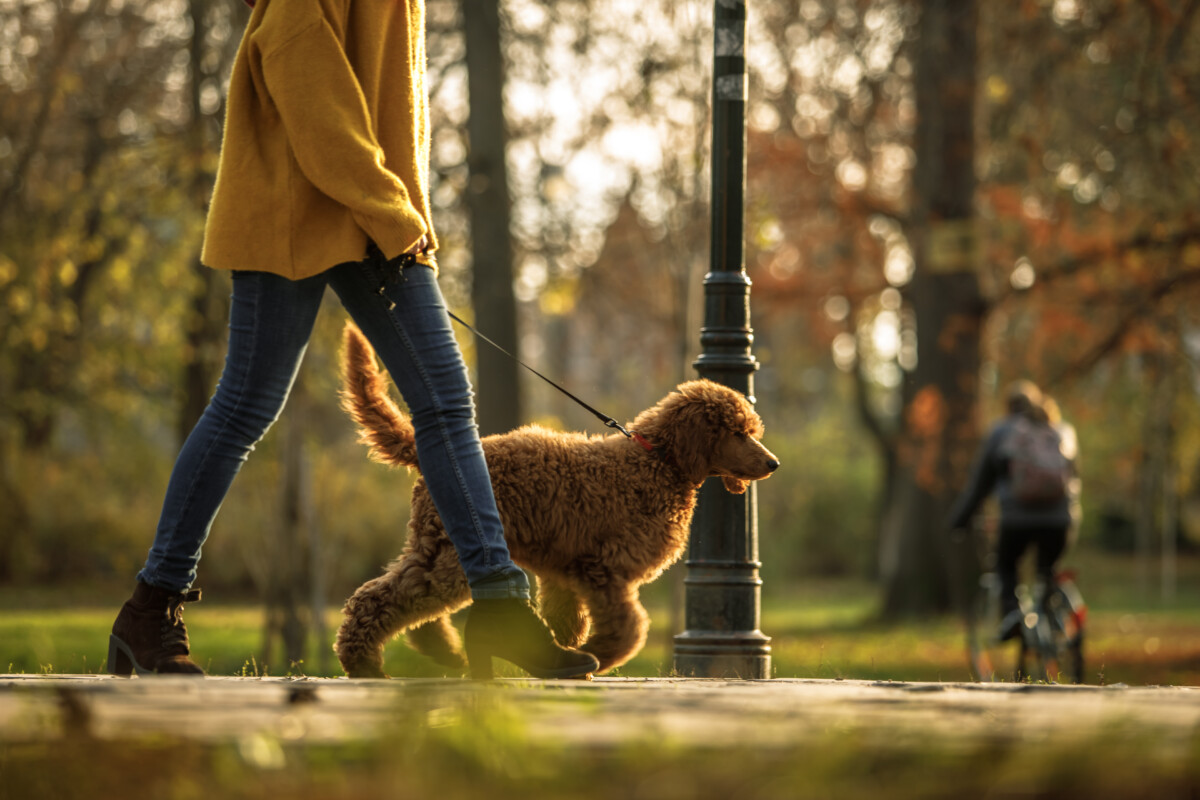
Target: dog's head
(709,430)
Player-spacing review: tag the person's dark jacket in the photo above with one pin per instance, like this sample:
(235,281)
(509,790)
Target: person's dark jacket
(990,472)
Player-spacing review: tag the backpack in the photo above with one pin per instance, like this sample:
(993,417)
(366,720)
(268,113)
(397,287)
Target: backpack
(1037,469)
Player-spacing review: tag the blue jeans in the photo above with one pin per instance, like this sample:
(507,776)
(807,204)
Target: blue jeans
(270,323)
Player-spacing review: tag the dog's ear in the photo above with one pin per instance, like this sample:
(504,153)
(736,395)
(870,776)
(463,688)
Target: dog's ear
(734,485)
(692,439)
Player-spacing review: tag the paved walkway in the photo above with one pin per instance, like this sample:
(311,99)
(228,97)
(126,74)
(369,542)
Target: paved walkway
(602,712)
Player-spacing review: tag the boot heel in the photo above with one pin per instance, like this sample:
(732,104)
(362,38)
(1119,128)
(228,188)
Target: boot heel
(119,662)
(479,659)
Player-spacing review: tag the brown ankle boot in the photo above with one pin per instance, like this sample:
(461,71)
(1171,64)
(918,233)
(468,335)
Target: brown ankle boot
(149,635)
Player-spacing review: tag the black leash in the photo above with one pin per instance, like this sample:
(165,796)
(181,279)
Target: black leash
(607,420)
(408,259)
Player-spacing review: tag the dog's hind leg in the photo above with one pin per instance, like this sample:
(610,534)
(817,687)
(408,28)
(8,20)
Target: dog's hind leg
(619,625)
(418,587)
(561,608)
(439,640)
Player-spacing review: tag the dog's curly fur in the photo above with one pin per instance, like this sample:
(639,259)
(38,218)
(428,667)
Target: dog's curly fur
(593,517)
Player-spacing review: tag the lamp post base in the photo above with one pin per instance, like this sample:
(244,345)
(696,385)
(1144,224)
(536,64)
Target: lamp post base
(744,655)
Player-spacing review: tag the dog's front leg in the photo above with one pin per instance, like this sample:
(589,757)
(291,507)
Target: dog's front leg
(561,608)
(619,625)
(439,640)
(422,585)
(369,620)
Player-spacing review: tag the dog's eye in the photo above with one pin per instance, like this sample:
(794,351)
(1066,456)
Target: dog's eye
(740,434)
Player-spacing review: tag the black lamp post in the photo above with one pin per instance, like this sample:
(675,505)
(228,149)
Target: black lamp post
(723,588)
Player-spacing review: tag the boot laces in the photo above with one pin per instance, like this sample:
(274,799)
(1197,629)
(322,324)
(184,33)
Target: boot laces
(174,632)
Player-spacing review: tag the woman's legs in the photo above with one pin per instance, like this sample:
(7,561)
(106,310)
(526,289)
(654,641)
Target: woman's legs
(270,322)
(410,331)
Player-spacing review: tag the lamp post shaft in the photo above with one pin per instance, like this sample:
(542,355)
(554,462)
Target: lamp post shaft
(723,588)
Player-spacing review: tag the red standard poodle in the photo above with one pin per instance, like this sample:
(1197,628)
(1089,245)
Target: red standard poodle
(592,517)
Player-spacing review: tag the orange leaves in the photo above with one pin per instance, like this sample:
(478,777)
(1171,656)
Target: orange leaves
(922,449)
(926,414)
(957,330)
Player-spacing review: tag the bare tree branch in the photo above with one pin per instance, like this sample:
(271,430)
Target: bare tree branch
(1136,312)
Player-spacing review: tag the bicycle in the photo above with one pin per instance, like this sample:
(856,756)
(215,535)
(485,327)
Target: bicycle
(1050,632)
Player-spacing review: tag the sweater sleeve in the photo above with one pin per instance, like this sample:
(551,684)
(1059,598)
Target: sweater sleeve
(329,128)
(984,474)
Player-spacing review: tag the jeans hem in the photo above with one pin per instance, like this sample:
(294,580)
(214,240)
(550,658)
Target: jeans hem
(502,586)
(500,593)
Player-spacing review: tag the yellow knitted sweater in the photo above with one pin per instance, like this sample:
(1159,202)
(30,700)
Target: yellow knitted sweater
(326,138)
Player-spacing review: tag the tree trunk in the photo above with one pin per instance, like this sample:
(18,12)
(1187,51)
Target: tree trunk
(14,511)
(205,322)
(487,198)
(203,341)
(289,598)
(939,429)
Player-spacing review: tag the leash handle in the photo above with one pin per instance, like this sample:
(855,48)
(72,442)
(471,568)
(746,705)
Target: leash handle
(607,420)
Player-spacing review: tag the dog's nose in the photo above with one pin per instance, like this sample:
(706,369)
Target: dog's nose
(772,465)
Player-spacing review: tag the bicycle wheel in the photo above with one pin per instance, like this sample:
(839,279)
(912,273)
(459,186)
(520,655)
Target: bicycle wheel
(1067,614)
(1038,660)
(1039,650)
(984,649)
(1034,663)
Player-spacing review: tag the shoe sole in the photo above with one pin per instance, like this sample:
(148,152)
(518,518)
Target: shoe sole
(481,669)
(122,663)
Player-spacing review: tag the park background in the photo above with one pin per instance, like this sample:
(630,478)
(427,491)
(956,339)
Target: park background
(899,285)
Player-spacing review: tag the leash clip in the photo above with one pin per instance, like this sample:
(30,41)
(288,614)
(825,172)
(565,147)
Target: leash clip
(612,423)
(637,437)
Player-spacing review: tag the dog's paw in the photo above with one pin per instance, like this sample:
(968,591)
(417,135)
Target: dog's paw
(452,660)
(365,671)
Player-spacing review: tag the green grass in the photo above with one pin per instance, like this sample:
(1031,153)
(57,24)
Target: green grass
(819,629)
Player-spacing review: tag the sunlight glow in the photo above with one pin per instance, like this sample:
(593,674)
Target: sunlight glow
(845,351)
(837,308)
(852,175)
(885,334)
(1023,275)
(899,267)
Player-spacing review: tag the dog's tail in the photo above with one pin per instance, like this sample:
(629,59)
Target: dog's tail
(382,426)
